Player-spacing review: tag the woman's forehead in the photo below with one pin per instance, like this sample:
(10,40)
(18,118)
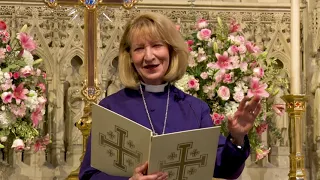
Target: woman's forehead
(144,35)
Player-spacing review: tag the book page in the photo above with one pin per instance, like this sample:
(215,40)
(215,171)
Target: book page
(186,155)
(118,144)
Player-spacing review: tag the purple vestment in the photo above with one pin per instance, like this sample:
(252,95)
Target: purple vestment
(185,112)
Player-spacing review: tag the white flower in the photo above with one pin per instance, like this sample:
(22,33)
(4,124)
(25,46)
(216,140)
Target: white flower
(28,58)
(2,79)
(32,100)
(231,108)
(3,138)
(182,84)
(6,75)
(3,108)
(5,119)
(242,86)
(18,144)
(193,54)
(201,51)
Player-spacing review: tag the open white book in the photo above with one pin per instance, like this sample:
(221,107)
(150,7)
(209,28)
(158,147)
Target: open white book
(119,145)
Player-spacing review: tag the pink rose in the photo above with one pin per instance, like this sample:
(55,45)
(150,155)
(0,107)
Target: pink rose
(258,72)
(224,93)
(238,96)
(204,34)
(227,78)
(26,71)
(44,75)
(202,23)
(18,145)
(3,26)
(204,75)
(193,84)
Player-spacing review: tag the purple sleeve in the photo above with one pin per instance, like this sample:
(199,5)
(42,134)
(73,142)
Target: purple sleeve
(230,160)
(89,173)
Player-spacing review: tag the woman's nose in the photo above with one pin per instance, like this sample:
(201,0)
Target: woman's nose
(148,56)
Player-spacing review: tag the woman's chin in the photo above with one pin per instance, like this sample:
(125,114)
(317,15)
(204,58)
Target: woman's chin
(153,80)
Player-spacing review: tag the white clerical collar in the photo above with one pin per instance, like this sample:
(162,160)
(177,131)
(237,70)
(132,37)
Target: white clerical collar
(154,88)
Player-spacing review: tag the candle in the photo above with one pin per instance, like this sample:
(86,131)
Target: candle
(295,80)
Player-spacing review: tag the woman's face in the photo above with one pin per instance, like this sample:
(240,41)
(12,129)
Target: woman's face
(150,58)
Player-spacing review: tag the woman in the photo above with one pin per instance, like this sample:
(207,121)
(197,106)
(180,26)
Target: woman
(152,56)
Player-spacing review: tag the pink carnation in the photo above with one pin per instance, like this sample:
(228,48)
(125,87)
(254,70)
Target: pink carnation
(217,118)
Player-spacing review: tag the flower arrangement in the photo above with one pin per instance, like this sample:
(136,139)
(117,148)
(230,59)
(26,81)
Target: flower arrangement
(22,90)
(223,68)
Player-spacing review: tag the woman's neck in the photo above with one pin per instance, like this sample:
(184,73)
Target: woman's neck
(154,88)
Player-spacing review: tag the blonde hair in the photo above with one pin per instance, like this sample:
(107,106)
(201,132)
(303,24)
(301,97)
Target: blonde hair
(156,27)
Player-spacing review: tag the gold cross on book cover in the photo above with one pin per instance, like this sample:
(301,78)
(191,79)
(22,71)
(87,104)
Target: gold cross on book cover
(119,145)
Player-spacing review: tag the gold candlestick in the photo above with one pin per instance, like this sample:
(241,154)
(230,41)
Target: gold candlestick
(295,106)
(84,125)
